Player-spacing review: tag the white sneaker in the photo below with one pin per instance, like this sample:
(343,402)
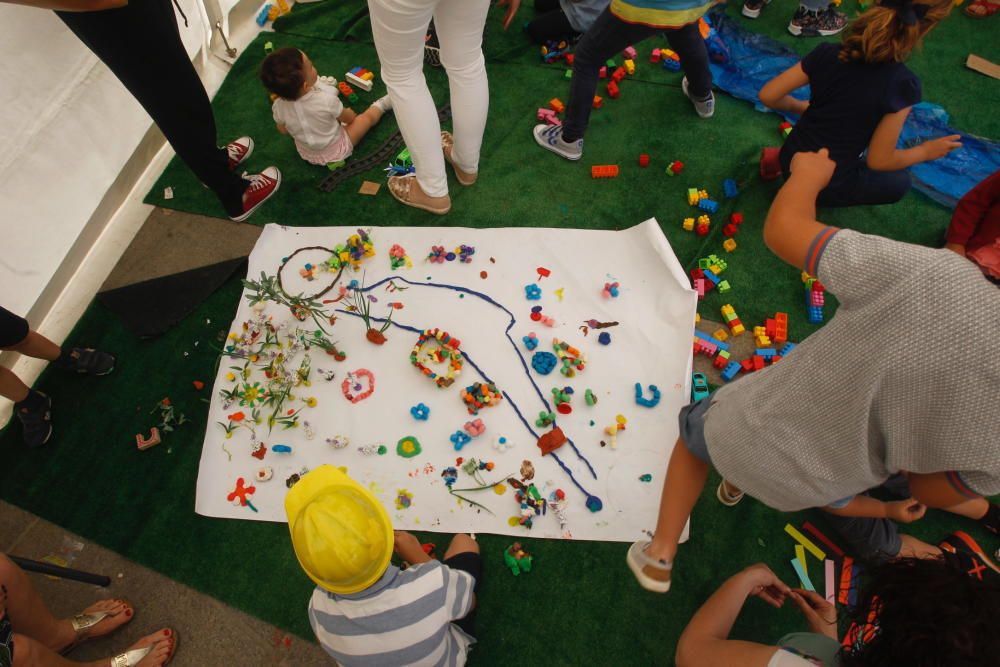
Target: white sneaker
(705,108)
(550,138)
(383,103)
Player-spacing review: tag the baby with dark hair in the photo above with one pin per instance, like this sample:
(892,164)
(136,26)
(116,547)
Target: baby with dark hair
(310,110)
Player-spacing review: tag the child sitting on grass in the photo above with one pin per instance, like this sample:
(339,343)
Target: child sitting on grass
(860,96)
(311,111)
(876,391)
(366,611)
(975,227)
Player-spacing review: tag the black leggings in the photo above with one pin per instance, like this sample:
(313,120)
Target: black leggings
(142,45)
(550,23)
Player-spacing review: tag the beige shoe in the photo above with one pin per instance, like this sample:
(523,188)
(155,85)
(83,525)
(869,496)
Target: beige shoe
(725,496)
(652,574)
(408,191)
(464,177)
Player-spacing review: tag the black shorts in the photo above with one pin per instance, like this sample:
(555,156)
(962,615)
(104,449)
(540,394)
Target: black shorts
(473,564)
(13,328)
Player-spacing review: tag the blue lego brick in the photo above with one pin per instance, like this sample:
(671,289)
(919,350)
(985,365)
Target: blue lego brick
(729,188)
(786,348)
(709,205)
(708,338)
(731,370)
(765,352)
(712,277)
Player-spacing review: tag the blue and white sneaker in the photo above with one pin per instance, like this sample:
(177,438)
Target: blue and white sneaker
(706,107)
(550,138)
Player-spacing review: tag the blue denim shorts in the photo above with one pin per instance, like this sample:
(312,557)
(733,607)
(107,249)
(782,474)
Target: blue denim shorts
(692,425)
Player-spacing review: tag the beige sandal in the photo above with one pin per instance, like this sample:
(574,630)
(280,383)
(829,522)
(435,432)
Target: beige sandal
(725,497)
(408,191)
(133,657)
(464,177)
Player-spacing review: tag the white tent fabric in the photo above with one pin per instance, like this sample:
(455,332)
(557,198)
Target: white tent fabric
(651,344)
(67,127)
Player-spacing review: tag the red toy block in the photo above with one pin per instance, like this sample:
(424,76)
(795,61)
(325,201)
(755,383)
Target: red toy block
(730,230)
(775,359)
(345,89)
(556,105)
(613,91)
(569,59)
(720,362)
(770,326)
(676,166)
(701,230)
(603,73)
(618,74)
(758,362)
(643,160)
(770,166)
(747,365)
(654,56)
(598,101)
(736,218)
(604,171)
(697,273)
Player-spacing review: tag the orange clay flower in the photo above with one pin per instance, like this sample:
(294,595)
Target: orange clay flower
(237,417)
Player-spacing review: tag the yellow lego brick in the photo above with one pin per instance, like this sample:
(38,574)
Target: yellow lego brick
(697,318)
(738,329)
(729,245)
(728,310)
(760,331)
(630,67)
(704,220)
(720,335)
(368,76)
(688,224)
(702,194)
(716,269)
(693,197)
(762,341)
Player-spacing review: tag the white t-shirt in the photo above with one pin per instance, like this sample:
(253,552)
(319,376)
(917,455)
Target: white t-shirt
(311,119)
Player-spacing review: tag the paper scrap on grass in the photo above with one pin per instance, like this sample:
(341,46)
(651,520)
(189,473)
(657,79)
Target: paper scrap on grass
(651,345)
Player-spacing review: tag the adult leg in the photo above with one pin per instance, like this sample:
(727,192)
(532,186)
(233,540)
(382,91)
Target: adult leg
(552,25)
(141,44)
(863,186)
(399,29)
(460,31)
(606,37)
(689,45)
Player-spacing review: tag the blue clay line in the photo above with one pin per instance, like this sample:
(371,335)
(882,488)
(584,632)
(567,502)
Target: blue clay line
(517,351)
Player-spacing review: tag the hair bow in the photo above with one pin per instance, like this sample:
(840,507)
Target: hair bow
(909,12)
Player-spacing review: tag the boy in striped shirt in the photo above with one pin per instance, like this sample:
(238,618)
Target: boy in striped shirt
(366,611)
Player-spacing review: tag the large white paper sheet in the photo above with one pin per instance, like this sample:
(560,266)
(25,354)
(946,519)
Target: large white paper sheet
(651,345)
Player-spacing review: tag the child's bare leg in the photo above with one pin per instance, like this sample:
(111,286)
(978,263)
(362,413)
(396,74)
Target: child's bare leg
(38,346)
(686,477)
(974,508)
(461,544)
(914,548)
(11,386)
(362,123)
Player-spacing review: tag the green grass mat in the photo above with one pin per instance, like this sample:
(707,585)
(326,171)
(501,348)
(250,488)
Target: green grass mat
(580,605)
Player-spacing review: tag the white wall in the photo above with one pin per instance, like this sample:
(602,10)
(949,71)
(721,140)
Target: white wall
(67,128)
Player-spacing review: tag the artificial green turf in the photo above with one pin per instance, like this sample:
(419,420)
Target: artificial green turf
(580,605)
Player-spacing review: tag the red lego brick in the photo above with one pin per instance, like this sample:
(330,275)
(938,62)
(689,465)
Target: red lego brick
(736,218)
(758,362)
(720,362)
(613,91)
(643,160)
(730,230)
(770,327)
(747,365)
(569,59)
(618,74)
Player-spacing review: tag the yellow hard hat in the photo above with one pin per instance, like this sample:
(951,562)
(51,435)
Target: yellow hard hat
(341,534)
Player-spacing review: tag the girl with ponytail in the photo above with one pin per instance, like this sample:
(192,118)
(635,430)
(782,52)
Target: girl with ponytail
(860,95)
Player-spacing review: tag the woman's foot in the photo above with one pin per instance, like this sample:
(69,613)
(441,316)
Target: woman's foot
(152,650)
(981,9)
(99,619)
(464,177)
(408,191)
(652,574)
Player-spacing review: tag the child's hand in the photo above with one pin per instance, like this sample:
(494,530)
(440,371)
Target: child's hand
(820,614)
(906,511)
(764,583)
(938,148)
(512,7)
(817,168)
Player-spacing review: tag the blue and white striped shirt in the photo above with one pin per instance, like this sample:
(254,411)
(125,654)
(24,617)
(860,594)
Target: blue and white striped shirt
(405,618)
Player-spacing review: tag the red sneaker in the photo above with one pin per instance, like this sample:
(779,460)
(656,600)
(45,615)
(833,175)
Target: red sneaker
(261,187)
(239,150)
(770,166)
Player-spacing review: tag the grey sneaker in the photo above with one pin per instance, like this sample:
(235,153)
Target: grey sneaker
(807,23)
(705,107)
(753,8)
(550,138)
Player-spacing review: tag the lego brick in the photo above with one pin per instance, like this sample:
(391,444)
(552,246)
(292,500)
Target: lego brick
(701,335)
(729,244)
(731,370)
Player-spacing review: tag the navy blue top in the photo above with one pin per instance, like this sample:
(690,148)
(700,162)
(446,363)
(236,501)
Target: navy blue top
(847,102)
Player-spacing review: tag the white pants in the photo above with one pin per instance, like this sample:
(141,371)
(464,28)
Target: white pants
(399,28)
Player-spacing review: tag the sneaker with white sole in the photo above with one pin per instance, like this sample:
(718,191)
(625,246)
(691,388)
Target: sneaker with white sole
(725,497)
(753,8)
(705,107)
(260,189)
(969,556)
(652,574)
(239,150)
(550,138)
(806,23)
